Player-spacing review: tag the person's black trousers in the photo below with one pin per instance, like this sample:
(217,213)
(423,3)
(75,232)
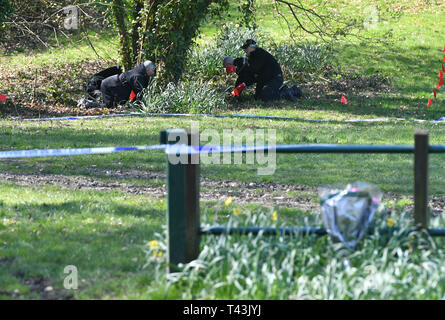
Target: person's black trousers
(114,92)
(269,91)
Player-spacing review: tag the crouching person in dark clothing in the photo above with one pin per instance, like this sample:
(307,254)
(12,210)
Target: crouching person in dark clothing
(117,89)
(261,68)
(93,86)
(265,70)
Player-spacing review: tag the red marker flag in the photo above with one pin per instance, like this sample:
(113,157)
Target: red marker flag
(2,98)
(443,68)
(343,100)
(437,86)
(443,58)
(443,49)
(441,82)
(440,75)
(429,103)
(434,94)
(132,95)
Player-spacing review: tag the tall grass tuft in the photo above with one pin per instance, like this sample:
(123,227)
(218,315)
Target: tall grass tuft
(184,97)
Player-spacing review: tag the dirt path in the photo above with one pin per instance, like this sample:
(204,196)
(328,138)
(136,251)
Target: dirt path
(211,190)
(267,194)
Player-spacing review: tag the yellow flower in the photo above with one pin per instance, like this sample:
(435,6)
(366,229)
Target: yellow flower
(157,254)
(390,222)
(236,211)
(104,111)
(228,201)
(153,244)
(274,216)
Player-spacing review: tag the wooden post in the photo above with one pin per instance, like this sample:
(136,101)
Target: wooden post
(421,156)
(183,212)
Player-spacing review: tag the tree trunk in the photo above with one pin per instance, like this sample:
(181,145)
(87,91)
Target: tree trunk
(149,14)
(137,23)
(124,41)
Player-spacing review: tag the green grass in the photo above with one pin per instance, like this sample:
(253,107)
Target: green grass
(68,51)
(105,233)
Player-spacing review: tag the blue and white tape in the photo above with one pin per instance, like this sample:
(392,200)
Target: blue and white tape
(254,116)
(181,149)
(72,151)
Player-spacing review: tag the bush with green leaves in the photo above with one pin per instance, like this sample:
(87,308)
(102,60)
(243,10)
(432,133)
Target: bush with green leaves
(303,57)
(183,97)
(388,263)
(5,12)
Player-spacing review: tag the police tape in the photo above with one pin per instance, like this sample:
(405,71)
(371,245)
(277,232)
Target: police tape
(254,116)
(181,149)
(73,151)
(169,149)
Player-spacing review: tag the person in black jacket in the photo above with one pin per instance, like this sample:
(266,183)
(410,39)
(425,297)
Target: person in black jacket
(117,88)
(262,68)
(266,70)
(93,86)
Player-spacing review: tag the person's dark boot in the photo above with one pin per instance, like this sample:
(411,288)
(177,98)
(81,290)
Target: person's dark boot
(283,90)
(286,93)
(289,95)
(297,92)
(89,103)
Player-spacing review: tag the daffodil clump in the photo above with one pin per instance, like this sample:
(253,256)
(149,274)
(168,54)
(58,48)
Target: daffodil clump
(388,263)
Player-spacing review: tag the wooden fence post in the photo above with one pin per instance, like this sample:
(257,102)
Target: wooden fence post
(183,212)
(421,156)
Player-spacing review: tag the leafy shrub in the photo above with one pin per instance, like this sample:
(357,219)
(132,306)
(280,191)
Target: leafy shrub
(6,10)
(301,58)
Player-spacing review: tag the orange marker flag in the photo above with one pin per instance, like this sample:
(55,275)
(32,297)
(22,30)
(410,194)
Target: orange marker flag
(132,95)
(429,103)
(343,100)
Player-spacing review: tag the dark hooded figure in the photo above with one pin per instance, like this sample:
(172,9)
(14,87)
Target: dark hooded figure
(93,86)
(266,70)
(262,68)
(117,88)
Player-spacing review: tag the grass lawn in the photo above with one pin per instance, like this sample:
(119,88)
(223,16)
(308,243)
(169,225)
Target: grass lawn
(99,213)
